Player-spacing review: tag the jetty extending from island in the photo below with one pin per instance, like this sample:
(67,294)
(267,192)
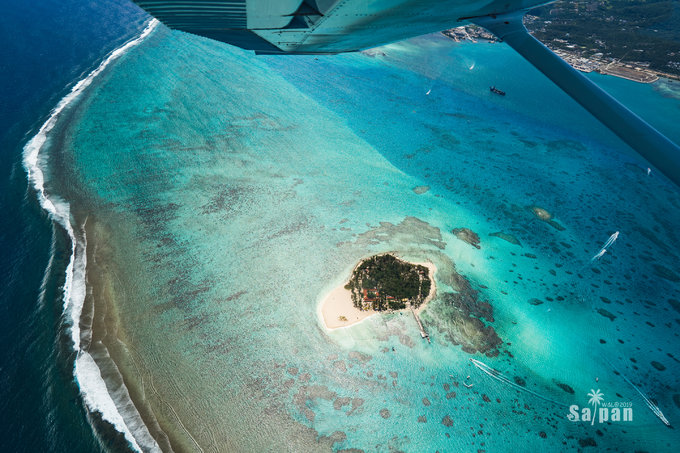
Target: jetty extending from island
(423,332)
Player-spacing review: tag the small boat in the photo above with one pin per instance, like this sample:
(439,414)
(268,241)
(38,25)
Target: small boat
(497,91)
(468,385)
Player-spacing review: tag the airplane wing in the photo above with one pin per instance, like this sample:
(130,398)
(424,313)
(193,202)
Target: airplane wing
(637,133)
(334,26)
(319,26)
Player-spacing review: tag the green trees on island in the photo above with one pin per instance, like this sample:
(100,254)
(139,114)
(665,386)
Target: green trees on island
(384,282)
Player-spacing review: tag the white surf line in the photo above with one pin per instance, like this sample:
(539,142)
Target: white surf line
(500,377)
(87,374)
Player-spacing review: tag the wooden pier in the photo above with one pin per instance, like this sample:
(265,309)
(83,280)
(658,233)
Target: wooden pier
(423,333)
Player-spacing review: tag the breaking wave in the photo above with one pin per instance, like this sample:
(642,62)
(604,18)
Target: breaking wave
(86,372)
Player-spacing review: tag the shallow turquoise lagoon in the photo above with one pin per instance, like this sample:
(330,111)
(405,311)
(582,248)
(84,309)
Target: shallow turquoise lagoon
(223,195)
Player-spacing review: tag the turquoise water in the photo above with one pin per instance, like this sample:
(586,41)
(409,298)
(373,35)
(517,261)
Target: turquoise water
(223,195)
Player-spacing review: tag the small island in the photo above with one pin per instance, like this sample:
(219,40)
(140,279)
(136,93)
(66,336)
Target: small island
(385,282)
(377,284)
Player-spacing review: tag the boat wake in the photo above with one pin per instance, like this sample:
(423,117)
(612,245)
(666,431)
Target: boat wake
(606,245)
(650,404)
(500,377)
(86,372)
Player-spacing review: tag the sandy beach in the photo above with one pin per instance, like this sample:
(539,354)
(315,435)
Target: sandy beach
(337,310)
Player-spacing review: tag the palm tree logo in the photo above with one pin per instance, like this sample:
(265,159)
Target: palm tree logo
(595,400)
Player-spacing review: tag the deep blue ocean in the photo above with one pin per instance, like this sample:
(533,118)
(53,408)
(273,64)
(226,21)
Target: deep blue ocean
(188,175)
(46,47)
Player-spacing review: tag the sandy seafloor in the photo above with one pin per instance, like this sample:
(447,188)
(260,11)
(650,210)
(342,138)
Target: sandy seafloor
(223,195)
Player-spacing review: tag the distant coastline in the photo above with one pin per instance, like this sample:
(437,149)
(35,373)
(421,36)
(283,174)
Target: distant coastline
(595,63)
(337,311)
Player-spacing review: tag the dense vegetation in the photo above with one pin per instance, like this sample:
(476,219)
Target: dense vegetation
(385,282)
(645,31)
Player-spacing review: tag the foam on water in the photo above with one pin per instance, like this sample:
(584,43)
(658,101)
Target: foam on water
(501,378)
(86,372)
(230,208)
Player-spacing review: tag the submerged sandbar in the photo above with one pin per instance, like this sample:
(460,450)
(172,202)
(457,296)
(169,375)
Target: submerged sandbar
(338,310)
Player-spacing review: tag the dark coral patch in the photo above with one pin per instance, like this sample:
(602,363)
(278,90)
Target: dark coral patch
(666,273)
(555,225)
(507,237)
(467,235)
(658,366)
(457,315)
(340,402)
(606,314)
(587,442)
(565,387)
